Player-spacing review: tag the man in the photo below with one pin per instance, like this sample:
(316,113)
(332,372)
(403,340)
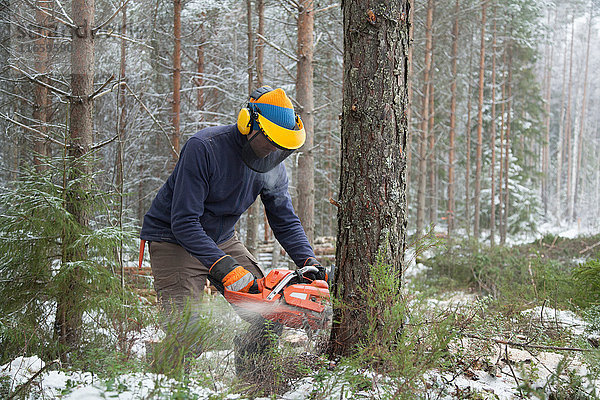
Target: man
(220,173)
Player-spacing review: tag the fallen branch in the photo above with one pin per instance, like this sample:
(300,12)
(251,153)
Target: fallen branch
(589,248)
(26,384)
(525,345)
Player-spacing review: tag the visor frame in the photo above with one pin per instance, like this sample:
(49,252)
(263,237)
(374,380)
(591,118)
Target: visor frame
(289,139)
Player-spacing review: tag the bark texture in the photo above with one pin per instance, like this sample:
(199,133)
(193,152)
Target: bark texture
(304,96)
(372,207)
(422,178)
(452,133)
(477,196)
(68,314)
(175,139)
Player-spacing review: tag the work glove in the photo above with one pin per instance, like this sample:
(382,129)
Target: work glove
(321,273)
(234,277)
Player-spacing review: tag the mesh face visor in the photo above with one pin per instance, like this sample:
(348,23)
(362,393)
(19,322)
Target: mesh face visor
(280,141)
(266,163)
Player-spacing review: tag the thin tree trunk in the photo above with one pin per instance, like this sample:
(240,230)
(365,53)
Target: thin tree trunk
(253,215)
(546,147)
(451,184)
(431,156)
(582,118)
(502,130)
(493,139)
(422,177)
(477,196)
(568,128)
(69,312)
(372,213)
(121,133)
(561,146)
(176,135)
(43,43)
(468,149)
(304,96)
(260,43)
(408,149)
(507,146)
(200,69)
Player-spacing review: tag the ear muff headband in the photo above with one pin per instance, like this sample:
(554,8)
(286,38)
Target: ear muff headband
(246,114)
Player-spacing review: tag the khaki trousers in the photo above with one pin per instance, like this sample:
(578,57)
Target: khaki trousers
(179,277)
(179,280)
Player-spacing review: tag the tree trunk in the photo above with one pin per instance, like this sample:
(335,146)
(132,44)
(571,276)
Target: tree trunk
(372,213)
(477,195)
(507,145)
(561,146)
(253,214)
(468,150)
(304,96)
(568,128)
(431,156)
(422,177)
(410,17)
(200,69)
(502,130)
(493,139)
(260,43)
(546,147)
(69,312)
(451,184)
(175,140)
(43,43)
(582,118)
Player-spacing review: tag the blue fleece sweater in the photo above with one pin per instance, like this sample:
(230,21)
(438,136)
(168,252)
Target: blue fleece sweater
(208,191)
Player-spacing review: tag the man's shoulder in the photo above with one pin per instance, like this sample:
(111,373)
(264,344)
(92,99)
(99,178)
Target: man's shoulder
(214,133)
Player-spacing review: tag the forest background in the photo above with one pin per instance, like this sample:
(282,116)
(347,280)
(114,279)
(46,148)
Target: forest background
(508,84)
(502,133)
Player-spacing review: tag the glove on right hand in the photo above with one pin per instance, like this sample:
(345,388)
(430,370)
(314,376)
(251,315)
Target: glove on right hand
(321,274)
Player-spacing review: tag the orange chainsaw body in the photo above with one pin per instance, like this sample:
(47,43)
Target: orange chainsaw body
(298,305)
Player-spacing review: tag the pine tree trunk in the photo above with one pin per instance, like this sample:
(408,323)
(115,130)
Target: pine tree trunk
(569,128)
(253,214)
(468,152)
(43,43)
(304,96)
(477,195)
(69,312)
(493,139)
(502,130)
(452,134)
(507,146)
(422,177)
(176,135)
(546,146)
(372,213)
(260,43)
(200,69)
(409,146)
(561,141)
(431,156)
(121,133)
(582,119)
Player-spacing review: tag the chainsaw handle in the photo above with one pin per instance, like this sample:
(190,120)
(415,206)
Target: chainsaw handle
(308,268)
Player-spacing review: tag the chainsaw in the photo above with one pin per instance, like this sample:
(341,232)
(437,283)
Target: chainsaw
(288,298)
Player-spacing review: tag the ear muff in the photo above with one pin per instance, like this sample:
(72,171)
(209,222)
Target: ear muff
(244,121)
